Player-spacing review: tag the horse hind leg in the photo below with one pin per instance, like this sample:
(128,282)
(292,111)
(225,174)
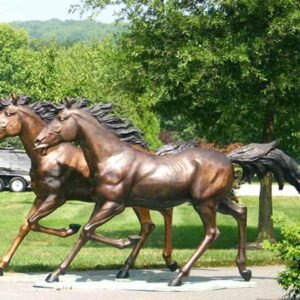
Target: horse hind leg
(240,215)
(49,205)
(167,252)
(207,213)
(23,231)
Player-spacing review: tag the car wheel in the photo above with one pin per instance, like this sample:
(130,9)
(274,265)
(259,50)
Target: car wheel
(1,185)
(17,184)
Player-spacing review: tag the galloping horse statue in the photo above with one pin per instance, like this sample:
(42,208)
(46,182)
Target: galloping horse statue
(63,175)
(124,177)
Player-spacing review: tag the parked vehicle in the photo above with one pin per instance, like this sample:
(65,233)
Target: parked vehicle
(14,170)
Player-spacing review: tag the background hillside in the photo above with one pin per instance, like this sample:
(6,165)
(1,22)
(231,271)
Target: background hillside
(69,31)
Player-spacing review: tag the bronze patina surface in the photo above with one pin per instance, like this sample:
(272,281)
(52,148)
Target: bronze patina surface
(63,174)
(125,177)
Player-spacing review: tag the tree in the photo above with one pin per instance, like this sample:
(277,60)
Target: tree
(12,42)
(231,66)
(229,69)
(68,32)
(103,72)
(93,70)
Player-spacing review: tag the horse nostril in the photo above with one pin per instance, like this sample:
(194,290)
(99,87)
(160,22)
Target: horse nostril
(37,142)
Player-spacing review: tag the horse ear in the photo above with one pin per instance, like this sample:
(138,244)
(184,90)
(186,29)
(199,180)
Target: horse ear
(23,100)
(69,102)
(14,99)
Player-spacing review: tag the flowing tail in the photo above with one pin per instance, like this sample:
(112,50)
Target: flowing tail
(263,158)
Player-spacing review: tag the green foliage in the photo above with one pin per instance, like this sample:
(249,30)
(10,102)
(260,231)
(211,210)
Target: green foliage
(99,71)
(14,142)
(223,70)
(228,69)
(12,43)
(68,32)
(102,72)
(288,250)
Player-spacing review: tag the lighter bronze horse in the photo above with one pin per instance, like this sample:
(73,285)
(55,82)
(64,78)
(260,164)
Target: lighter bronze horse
(125,177)
(63,175)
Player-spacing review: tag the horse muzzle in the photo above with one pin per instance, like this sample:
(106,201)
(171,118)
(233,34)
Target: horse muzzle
(40,147)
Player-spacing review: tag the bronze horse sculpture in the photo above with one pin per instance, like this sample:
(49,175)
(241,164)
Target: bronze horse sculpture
(63,175)
(19,117)
(125,177)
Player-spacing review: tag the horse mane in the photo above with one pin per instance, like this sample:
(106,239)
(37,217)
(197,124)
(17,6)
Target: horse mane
(122,128)
(102,112)
(45,109)
(176,147)
(48,110)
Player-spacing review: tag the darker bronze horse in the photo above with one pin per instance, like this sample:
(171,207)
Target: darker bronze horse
(125,177)
(63,175)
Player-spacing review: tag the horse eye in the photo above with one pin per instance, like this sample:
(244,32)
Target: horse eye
(7,114)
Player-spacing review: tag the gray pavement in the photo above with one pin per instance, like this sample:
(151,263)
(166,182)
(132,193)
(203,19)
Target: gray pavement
(254,188)
(206,283)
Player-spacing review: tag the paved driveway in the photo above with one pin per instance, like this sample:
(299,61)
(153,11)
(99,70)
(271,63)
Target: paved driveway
(253,190)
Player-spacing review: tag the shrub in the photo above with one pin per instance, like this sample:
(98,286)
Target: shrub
(288,250)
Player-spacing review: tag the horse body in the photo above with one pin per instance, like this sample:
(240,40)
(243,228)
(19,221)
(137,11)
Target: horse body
(123,174)
(188,175)
(164,181)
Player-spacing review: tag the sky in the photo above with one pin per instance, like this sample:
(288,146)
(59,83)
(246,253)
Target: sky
(24,10)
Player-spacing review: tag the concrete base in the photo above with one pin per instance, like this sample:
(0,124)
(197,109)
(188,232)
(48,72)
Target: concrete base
(142,280)
(212,283)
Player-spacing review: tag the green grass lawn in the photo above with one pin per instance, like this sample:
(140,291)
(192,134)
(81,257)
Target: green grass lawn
(41,252)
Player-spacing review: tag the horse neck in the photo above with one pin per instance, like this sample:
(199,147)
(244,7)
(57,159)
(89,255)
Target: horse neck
(97,141)
(31,126)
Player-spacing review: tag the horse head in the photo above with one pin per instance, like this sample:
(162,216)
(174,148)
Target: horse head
(63,128)
(10,115)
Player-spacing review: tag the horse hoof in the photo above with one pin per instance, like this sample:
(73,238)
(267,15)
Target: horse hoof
(246,274)
(1,272)
(51,278)
(175,282)
(173,266)
(74,227)
(123,274)
(134,239)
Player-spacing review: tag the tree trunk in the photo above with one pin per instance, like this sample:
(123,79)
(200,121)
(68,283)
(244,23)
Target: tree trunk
(265,223)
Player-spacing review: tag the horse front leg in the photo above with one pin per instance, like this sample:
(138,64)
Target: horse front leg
(99,217)
(147,226)
(51,203)
(23,231)
(207,214)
